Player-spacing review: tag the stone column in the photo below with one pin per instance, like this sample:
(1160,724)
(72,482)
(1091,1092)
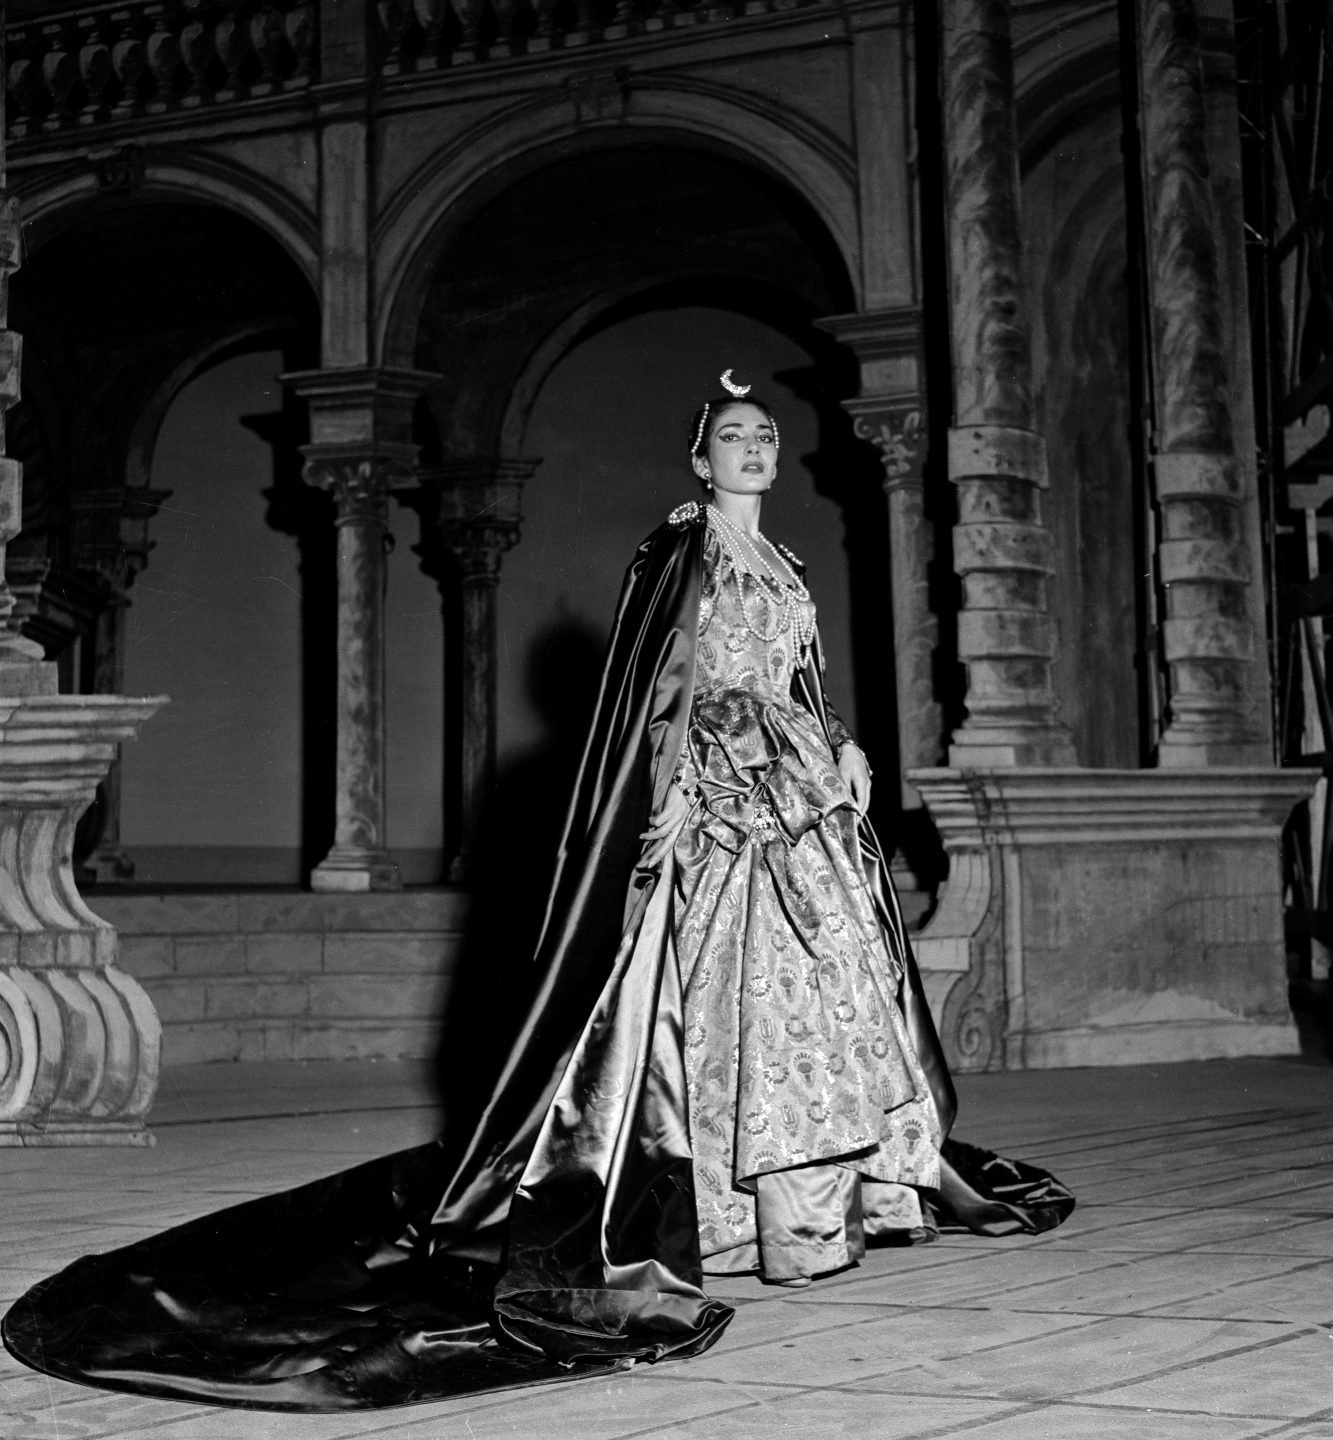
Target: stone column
(1209,632)
(79,1039)
(1002,548)
(477,505)
(110,542)
(360,450)
(890,415)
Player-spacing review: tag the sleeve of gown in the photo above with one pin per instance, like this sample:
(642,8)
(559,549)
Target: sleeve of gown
(838,731)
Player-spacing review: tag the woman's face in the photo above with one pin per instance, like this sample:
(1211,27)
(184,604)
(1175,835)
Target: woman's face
(742,455)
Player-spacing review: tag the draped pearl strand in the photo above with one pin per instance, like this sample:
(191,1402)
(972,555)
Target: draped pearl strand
(788,596)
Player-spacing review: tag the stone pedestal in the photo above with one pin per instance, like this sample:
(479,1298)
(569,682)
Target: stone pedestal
(1108,917)
(79,1038)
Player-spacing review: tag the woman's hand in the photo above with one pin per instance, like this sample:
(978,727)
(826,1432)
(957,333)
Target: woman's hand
(664,827)
(855,774)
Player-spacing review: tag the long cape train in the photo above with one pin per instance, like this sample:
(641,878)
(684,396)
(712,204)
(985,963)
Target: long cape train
(558,1234)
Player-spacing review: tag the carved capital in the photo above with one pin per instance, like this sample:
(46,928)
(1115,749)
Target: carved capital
(476,507)
(110,533)
(899,436)
(359,480)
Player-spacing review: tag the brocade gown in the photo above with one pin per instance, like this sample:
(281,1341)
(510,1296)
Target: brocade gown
(714,1071)
(808,1107)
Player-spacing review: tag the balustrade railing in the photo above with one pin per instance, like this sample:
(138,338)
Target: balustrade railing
(100,63)
(428,34)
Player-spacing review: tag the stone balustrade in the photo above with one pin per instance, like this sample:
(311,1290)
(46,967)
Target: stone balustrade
(423,35)
(99,63)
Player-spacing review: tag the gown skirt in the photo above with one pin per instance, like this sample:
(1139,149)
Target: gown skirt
(715,1074)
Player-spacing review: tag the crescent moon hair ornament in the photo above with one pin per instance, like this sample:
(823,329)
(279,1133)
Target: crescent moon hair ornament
(730,386)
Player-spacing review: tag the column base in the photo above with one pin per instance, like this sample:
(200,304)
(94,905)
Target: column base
(1108,917)
(1005,746)
(1192,753)
(350,869)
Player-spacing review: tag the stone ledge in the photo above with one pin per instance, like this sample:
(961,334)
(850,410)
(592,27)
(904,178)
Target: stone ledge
(283,912)
(1041,806)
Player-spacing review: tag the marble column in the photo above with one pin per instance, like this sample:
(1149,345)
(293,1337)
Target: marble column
(1204,568)
(80,1041)
(997,460)
(111,543)
(477,506)
(890,414)
(360,451)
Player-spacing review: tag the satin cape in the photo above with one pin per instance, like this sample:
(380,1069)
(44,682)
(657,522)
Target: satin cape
(555,1237)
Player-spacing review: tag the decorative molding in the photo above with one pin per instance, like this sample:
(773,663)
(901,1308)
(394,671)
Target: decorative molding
(120,170)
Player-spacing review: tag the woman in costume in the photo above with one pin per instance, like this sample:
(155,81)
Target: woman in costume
(728,1065)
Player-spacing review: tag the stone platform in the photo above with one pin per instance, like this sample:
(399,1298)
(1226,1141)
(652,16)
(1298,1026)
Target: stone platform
(287,975)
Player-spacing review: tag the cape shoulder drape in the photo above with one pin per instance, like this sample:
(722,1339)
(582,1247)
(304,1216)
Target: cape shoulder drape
(560,1230)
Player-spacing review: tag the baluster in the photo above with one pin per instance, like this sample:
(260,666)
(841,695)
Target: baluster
(95,71)
(469,14)
(129,60)
(394,17)
(25,86)
(231,39)
(59,72)
(267,34)
(432,16)
(300,27)
(196,42)
(543,37)
(625,21)
(659,15)
(584,20)
(163,52)
(506,15)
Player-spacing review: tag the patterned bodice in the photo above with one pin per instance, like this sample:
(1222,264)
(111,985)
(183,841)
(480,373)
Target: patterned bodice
(731,655)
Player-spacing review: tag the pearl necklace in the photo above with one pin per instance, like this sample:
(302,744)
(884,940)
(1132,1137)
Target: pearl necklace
(747,558)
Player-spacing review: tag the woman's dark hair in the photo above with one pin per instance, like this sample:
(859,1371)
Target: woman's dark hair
(704,414)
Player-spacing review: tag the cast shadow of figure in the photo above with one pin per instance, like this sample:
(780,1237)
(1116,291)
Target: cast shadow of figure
(512,859)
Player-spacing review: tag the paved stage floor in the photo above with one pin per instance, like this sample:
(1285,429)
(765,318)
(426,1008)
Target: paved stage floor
(1190,1295)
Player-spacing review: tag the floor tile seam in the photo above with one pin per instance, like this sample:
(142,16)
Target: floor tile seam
(1185,1365)
(282,1116)
(1062,1402)
(460,1407)
(1288,1425)
(1101,1140)
(736,1348)
(1158,1255)
(1281,1190)
(1253,1162)
(707,1415)
(1157,1314)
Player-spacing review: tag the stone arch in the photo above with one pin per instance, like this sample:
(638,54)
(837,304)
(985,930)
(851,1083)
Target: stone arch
(66,196)
(437,200)
(581,321)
